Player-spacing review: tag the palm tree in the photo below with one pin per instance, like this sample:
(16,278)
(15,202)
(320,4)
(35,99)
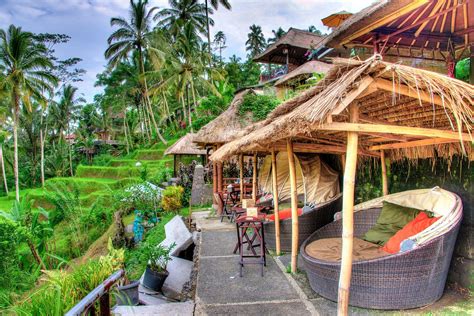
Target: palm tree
(276,35)
(256,41)
(215,5)
(64,112)
(132,36)
(220,40)
(27,74)
(182,12)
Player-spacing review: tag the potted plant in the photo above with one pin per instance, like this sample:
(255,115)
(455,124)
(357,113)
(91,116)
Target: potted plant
(128,293)
(157,258)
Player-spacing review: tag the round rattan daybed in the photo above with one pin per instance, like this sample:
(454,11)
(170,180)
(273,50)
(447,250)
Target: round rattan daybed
(404,280)
(322,214)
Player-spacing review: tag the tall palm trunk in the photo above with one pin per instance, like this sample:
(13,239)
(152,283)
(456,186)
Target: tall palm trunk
(125,132)
(146,97)
(36,255)
(42,155)
(70,152)
(208,32)
(16,113)
(2,165)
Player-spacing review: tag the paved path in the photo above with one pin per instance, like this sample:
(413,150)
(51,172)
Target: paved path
(220,289)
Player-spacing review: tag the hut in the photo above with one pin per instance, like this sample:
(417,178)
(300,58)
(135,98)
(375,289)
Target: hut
(368,108)
(185,147)
(430,34)
(297,78)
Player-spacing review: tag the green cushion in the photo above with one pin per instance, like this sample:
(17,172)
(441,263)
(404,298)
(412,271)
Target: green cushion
(392,218)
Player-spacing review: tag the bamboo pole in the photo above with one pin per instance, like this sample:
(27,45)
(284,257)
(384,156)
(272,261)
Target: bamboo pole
(275,202)
(241,167)
(384,173)
(294,206)
(254,179)
(214,178)
(348,217)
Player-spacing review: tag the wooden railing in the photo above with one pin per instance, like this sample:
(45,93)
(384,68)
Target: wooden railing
(101,293)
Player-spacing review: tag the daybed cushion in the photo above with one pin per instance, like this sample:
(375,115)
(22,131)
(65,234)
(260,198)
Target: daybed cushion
(419,224)
(392,218)
(330,249)
(284,214)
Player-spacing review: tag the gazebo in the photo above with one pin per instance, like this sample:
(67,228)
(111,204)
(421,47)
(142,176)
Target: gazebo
(367,108)
(185,147)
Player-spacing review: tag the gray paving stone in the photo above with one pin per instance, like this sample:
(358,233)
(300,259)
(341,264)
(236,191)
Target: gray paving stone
(171,309)
(219,282)
(274,309)
(179,273)
(177,232)
(218,243)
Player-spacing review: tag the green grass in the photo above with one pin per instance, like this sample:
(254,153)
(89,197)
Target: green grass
(107,172)
(149,154)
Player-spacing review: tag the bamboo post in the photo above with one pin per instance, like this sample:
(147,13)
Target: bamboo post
(254,179)
(275,202)
(384,173)
(343,162)
(348,216)
(294,206)
(241,167)
(219,175)
(214,178)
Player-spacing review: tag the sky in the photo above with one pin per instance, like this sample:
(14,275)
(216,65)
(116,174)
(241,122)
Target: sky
(87,22)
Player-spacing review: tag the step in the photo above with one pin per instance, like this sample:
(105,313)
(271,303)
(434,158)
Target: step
(170,309)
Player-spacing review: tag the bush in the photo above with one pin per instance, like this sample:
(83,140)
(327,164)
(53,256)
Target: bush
(172,197)
(258,106)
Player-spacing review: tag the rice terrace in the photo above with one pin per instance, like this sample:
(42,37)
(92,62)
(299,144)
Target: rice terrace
(236,157)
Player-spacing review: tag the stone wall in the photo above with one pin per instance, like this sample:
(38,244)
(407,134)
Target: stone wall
(201,193)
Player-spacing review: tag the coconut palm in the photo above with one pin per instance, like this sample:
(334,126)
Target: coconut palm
(27,74)
(255,43)
(132,36)
(276,35)
(215,5)
(220,40)
(183,12)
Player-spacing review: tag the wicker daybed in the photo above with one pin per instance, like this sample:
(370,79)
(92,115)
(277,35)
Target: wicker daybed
(401,281)
(322,214)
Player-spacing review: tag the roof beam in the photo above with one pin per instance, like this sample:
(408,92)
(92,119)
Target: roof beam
(387,85)
(398,130)
(416,143)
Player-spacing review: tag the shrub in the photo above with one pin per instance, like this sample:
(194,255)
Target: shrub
(258,106)
(172,197)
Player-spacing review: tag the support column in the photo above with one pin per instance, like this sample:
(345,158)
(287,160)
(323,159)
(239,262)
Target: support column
(275,203)
(174,166)
(241,167)
(214,176)
(219,175)
(471,66)
(254,178)
(294,206)
(348,216)
(384,173)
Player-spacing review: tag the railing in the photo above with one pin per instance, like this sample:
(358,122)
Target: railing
(264,77)
(101,293)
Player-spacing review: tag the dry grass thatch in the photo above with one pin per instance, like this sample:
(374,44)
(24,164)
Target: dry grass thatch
(306,69)
(185,146)
(385,93)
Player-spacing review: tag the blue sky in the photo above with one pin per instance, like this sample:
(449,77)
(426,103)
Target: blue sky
(87,22)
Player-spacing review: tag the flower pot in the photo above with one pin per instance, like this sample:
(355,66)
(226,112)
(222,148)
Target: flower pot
(128,294)
(154,280)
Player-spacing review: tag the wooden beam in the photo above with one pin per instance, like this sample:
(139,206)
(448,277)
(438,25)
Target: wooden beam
(254,178)
(384,173)
(275,202)
(241,174)
(416,143)
(386,19)
(354,93)
(294,206)
(436,7)
(348,218)
(398,130)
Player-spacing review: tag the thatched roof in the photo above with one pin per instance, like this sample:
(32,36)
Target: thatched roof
(407,112)
(429,26)
(306,69)
(224,127)
(185,146)
(296,41)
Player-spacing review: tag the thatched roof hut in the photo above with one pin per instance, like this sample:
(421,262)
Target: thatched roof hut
(421,29)
(224,128)
(407,112)
(304,71)
(185,146)
(296,42)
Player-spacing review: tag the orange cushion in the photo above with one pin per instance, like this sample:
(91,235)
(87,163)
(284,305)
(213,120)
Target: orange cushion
(284,214)
(417,225)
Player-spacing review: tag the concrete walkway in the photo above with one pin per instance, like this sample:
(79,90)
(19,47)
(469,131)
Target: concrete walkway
(220,289)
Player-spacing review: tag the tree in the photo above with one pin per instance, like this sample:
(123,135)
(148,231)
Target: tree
(276,35)
(314,30)
(133,36)
(27,74)
(219,41)
(255,43)
(182,12)
(215,4)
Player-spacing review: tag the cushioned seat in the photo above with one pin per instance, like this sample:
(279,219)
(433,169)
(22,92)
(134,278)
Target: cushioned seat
(330,249)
